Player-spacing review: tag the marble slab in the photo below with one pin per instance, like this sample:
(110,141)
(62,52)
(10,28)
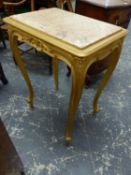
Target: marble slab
(68,27)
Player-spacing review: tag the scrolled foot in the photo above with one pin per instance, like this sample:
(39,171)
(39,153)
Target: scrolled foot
(30,102)
(68,141)
(97,109)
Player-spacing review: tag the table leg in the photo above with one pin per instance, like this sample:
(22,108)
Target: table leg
(20,63)
(111,67)
(78,80)
(55,69)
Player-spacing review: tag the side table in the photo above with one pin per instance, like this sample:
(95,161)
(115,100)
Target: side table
(78,41)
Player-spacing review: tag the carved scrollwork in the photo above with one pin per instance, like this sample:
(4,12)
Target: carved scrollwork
(79,60)
(34,42)
(80,64)
(43,46)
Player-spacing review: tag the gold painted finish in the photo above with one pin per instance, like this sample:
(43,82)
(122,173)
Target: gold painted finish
(79,45)
(18,59)
(55,67)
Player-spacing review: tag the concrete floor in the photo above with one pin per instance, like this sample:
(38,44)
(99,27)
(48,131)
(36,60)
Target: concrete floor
(100,146)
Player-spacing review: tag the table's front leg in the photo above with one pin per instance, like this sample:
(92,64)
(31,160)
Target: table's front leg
(111,67)
(78,80)
(20,63)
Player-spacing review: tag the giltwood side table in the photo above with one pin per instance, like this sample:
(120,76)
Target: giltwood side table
(77,40)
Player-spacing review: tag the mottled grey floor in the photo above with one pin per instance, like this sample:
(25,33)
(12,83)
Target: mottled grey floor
(100,146)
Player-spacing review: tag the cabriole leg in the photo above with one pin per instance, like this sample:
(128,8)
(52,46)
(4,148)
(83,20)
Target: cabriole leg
(111,67)
(78,80)
(20,63)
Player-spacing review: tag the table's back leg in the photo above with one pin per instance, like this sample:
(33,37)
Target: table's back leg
(111,67)
(20,63)
(55,69)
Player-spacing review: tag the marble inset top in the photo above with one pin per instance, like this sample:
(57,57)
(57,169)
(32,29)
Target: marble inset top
(110,3)
(68,27)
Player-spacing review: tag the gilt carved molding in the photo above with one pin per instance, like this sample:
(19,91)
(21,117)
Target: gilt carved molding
(63,55)
(42,46)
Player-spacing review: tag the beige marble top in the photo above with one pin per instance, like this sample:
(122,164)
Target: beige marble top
(110,3)
(68,27)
